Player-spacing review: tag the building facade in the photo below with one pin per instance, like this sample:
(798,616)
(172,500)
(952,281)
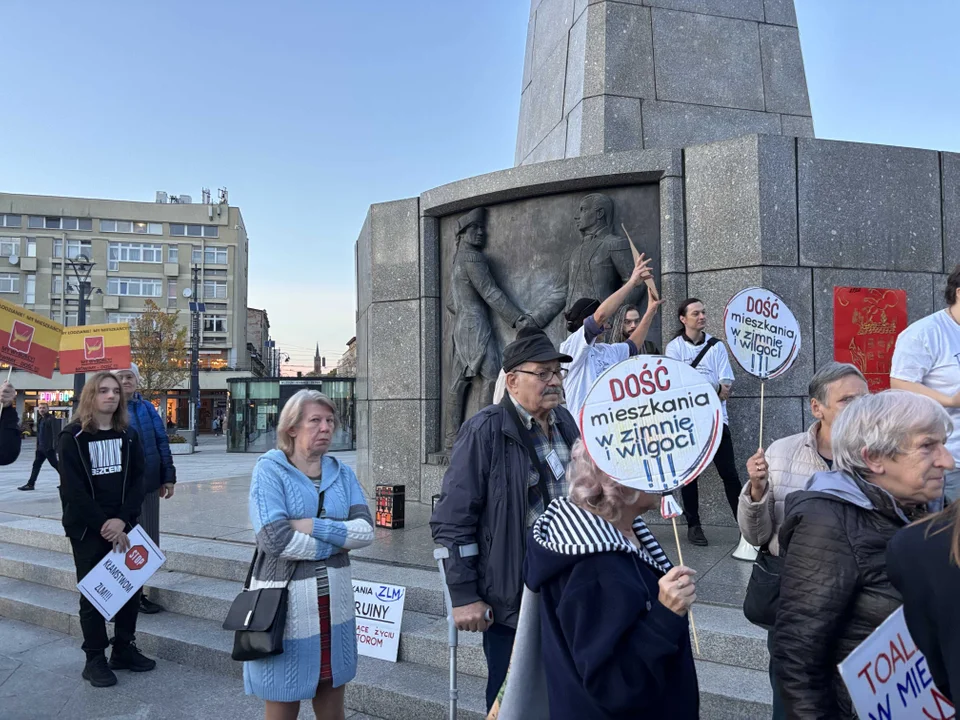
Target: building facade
(142,251)
(258,335)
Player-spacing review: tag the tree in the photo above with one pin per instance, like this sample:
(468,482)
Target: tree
(159,348)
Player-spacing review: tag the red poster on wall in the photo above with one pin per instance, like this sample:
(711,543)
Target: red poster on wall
(866,323)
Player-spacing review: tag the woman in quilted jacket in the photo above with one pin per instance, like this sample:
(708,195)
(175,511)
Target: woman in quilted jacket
(889,467)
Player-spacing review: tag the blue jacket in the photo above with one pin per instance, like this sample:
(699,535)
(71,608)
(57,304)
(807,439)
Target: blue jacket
(158,468)
(610,650)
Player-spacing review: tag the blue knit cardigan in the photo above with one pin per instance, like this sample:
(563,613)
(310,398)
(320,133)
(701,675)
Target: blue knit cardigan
(279,493)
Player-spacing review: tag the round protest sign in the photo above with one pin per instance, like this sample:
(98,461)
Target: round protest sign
(652,423)
(762,332)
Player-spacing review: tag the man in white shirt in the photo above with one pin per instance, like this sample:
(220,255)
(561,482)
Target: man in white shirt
(926,360)
(585,321)
(696,347)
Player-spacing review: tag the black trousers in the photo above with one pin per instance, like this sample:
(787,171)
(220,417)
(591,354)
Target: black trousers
(86,554)
(50,456)
(726,465)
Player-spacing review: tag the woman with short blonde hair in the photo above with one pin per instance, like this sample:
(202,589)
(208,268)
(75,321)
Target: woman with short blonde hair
(308,511)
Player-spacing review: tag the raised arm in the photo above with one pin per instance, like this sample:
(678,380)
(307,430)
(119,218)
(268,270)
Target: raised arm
(641,271)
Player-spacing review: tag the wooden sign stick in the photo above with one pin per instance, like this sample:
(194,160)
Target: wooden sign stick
(651,285)
(761,414)
(693,627)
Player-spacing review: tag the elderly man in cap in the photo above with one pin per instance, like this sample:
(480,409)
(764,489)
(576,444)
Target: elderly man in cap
(508,463)
(159,473)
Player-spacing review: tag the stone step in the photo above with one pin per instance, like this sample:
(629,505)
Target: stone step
(392,691)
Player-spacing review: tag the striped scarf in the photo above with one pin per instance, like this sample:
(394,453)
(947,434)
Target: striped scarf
(567,529)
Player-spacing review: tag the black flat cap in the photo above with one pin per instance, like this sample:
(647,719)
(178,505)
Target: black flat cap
(582,309)
(531,345)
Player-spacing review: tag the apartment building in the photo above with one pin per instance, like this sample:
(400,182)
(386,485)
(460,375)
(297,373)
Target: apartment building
(258,335)
(141,251)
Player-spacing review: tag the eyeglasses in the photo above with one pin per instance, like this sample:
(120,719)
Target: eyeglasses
(545,376)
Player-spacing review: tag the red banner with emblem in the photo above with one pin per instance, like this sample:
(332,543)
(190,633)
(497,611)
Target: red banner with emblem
(92,348)
(866,323)
(28,341)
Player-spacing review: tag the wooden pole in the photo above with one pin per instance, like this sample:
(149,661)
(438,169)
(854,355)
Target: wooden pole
(693,627)
(651,285)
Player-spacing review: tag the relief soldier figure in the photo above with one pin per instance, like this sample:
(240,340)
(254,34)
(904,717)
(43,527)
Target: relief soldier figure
(472,290)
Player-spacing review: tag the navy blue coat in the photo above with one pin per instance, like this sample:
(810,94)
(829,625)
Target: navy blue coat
(158,461)
(611,650)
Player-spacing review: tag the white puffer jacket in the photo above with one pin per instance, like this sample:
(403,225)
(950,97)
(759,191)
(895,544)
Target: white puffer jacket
(792,461)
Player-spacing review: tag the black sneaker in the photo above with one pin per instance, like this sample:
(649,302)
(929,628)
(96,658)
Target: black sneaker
(28,486)
(695,535)
(148,607)
(97,673)
(126,656)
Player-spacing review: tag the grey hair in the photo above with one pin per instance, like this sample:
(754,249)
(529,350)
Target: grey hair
(882,425)
(292,414)
(830,373)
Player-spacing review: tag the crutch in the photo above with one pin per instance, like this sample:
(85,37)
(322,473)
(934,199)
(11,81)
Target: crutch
(441,554)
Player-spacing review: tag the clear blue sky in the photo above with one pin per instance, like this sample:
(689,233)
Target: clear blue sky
(309,111)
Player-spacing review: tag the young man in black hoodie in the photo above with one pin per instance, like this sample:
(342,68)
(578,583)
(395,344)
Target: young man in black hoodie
(101,487)
(45,445)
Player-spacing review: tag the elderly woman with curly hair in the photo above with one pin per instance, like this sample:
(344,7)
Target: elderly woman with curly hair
(613,610)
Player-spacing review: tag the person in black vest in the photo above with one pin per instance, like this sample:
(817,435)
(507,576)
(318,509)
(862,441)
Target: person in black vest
(101,488)
(45,446)
(9,425)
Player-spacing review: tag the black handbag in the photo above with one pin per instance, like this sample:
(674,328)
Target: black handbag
(258,617)
(763,590)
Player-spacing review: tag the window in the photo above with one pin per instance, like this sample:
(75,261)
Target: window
(35,221)
(171,293)
(215,255)
(129,226)
(72,223)
(9,247)
(75,248)
(70,318)
(56,285)
(122,317)
(214,289)
(9,283)
(31,247)
(210,231)
(135,252)
(172,252)
(214,324)
(31,290)
(196,257)
(10,221)
(134,287)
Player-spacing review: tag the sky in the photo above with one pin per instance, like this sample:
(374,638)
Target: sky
(308,111)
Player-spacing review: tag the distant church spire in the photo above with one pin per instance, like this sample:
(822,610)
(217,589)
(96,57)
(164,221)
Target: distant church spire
(317,368)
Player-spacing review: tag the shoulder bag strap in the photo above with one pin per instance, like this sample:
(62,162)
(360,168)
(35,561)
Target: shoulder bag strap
(511,409)
(706,348)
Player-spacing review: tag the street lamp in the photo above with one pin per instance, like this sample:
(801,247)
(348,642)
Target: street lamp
(81,266)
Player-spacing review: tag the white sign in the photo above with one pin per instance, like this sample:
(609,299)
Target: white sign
(117,577)
(379,611)
(762,332)
(888,677)
(652,423)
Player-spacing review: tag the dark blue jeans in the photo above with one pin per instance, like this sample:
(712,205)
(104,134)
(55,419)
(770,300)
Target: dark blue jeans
(778,712)
(497,648)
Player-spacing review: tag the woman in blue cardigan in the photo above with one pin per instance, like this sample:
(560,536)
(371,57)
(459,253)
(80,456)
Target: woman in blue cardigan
(308,511)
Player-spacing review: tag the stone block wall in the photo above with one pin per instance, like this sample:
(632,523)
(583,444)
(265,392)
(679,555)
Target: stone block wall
(604,76)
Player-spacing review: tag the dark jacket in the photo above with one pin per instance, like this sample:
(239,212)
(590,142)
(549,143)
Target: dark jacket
(834,588)
(81,511)
(919,564)
(10,437)
(45,440)
(159,469)
(610,650)
(483,501)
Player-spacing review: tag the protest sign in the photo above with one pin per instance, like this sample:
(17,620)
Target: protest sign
(888,677)
(117,577)
(866,323)
(652,423)
(28,341)
(762,333)
(92,348)
(379,611)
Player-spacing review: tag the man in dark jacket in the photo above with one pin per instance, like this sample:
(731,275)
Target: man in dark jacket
(159,473)
(9,425)
(45,446)
(507,465)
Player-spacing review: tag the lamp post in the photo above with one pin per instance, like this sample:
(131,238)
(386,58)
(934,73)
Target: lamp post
(81,266)
(196,307)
